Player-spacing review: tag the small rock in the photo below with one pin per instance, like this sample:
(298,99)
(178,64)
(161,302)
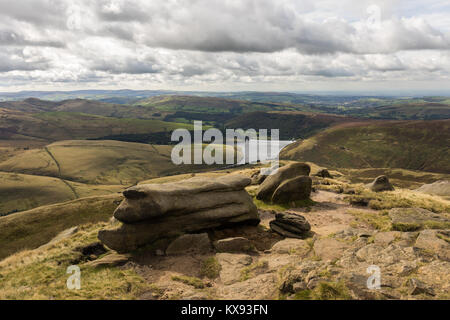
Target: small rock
(234,245)
(291,246)
(380,183)
(290,225)
(324,173)
(110,260)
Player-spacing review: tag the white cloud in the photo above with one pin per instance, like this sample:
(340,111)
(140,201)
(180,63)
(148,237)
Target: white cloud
(206,43)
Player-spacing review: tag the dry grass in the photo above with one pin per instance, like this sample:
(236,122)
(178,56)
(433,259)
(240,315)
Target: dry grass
(41,274)
(33,228)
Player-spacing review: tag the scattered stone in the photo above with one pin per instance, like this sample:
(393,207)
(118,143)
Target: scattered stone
(111,260)
(412,219)
(381,183)
(273,181)
(234,245)
(291,190)
(324,173)
(157,211)
(290,225)
(418,287)
(190,243)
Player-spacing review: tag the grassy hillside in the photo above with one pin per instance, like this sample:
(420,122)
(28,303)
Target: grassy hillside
(54,126)
(415,145)
(95,162)
(21,192)
(292,125)
(33,228)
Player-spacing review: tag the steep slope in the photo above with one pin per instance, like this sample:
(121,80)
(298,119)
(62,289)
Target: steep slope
(33,228)
(415,145)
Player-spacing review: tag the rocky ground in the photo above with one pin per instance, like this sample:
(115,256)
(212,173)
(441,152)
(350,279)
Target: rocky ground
(330,263)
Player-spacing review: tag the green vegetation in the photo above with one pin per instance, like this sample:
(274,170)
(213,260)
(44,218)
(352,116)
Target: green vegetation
(292,125)
(377,220)
(210,268)
(192,281)
(325,291)
(418,145)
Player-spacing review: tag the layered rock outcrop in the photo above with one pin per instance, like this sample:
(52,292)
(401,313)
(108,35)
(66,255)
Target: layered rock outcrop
(156,211)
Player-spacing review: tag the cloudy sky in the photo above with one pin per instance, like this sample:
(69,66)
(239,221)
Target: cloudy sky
(283,45)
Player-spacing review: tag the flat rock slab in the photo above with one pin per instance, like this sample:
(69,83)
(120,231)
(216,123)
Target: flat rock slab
(329,248)
(232,265)
(411,219)
(190,243)
(234,245)
(261,287)
(291,246)
(433,241)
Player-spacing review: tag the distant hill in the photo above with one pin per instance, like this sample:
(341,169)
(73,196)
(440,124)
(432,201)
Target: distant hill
(292,125)
(405,111)
(54,126)
(415,145)
(202,104)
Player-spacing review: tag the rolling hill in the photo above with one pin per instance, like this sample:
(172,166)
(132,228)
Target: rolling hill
(21,192)
(94,162)
(292,125)
(415,145)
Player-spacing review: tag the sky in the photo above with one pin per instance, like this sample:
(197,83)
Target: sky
(225,45)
